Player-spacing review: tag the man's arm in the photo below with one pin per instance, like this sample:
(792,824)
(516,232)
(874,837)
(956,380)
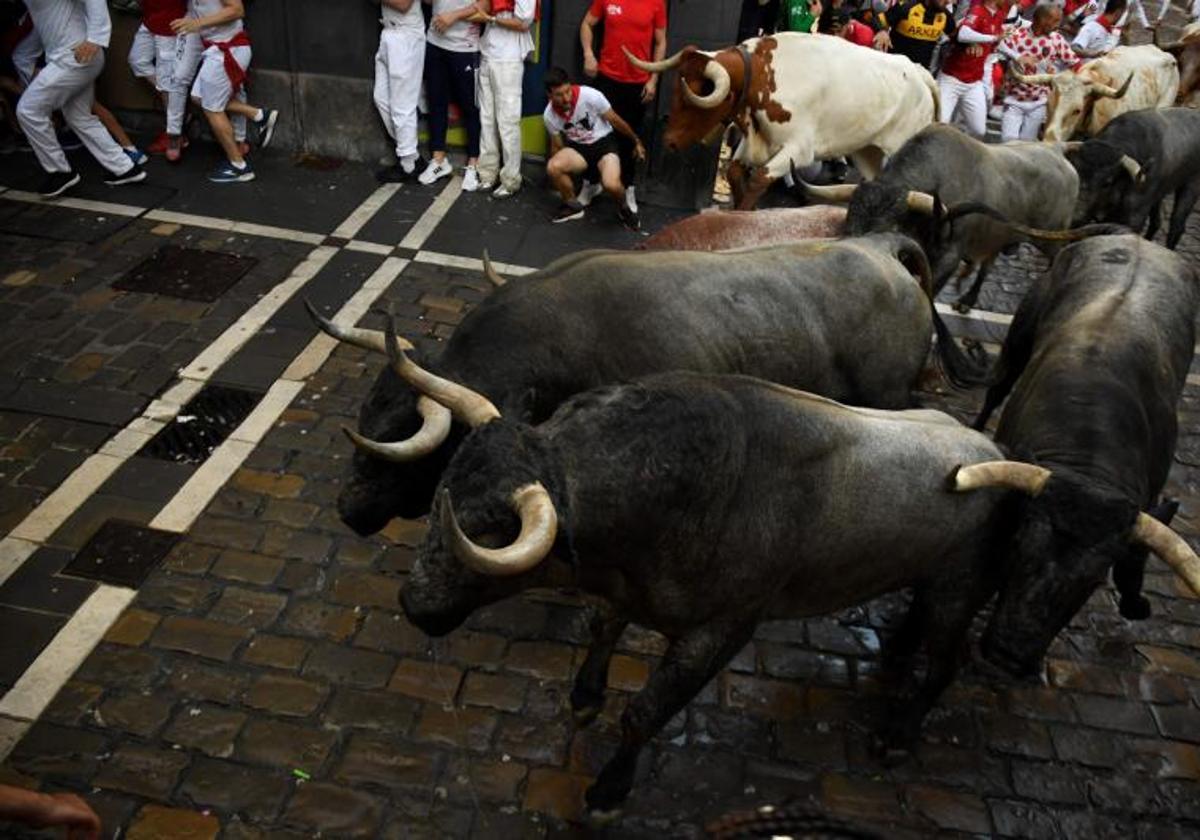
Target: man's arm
(622,127)
(231,10)
(521,20)
(445,20)
(99,24)
(587,33)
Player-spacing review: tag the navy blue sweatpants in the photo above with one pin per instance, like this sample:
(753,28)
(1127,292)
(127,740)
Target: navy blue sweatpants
(450,77)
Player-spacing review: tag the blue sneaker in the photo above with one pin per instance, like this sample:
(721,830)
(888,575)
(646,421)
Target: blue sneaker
(227,173)
(136,155)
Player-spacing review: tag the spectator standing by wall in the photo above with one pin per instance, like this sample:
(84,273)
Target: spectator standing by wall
(168,63)
(639,26)
(75,35)
(505,43)
(399,63)
(913,29)
(452,75)
(961,83)
(1036,49)
(220,86)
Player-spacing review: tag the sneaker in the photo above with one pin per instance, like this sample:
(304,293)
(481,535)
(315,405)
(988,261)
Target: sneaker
(436,170)
(503,192)
(133,176)
(470,179)
(631,199)
(159,145)
(266,127)
(628,217)
(588,191)
(57,183)
(137,156)
(567,211)
(176,143)
(227,173)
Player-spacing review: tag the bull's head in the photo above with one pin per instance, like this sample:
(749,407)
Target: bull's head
(1071,534)
(1106,177)
(403,443)
(1071,98)
(1186,52)
(702,103)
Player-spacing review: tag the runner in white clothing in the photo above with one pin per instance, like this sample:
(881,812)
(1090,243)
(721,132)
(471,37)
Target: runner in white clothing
(505,43)
(75,33)
(398,66)
(220,86)
(167,62)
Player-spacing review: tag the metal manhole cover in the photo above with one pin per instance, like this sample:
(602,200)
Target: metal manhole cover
(187,273)
(203,424)
(121,553)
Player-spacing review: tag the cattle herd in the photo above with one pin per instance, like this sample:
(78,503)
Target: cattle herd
(699,439)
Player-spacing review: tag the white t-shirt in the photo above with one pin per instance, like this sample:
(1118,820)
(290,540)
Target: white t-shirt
(586,124)
(410,21)
(221,33)
(462,37)
(1094,37)
(500,44)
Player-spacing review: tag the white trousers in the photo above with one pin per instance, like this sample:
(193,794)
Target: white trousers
(70,87)
(967,101)
(399,65)
(170,62)
(500,121)
(1022,120)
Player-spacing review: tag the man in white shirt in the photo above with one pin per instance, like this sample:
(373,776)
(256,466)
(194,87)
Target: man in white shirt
(580,121)
(398,67)
(1101,33)
(75,33)
(505,42)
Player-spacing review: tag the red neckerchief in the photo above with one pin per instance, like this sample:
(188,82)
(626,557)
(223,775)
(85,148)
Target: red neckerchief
(237,76)
(1108,27)
(566,115)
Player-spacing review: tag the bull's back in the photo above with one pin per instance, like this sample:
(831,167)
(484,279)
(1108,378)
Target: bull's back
(1155,82)
(728,229)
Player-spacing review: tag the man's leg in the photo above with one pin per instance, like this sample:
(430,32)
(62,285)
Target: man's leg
(464,73)
(407,61)
(489,122)
(508,118)
(974,108)
(141,55)
(188,49)
(610,177)
(949,91)
(79,115)
(45,95)
(1012,123)
(437,94)
(560,168)
(214,92)
(1035,116)
(382,90)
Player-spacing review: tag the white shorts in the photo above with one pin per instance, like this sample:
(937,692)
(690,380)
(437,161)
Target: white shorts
(153,57)
(212,86)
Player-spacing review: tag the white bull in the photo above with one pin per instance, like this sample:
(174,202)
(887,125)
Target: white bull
(1127,79)
(797,98)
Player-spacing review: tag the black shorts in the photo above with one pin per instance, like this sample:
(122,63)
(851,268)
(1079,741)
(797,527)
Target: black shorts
(606,145)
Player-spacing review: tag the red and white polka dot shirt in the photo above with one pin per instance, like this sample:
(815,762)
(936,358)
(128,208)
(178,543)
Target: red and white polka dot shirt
(1052,53)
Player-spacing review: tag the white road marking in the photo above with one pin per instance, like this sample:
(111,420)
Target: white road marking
(248,228)
(368,247)
(11,731)
(102,207)
(191,499)
(13,552)
(469,263)
(59,660)
(359,218)
(44,519)
(430,219)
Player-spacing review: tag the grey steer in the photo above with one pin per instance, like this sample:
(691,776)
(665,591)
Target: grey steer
(941,167)
(845,319)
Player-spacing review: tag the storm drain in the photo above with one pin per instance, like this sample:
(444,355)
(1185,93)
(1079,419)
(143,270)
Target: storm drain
(203,424)
(187,273)
(121,553)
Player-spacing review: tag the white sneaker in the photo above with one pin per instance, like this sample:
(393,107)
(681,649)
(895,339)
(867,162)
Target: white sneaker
(435,170)
(631,199)
(503,192)
(588,191)
(470,179)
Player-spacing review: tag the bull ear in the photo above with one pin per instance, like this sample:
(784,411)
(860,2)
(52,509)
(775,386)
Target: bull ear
(1165,510)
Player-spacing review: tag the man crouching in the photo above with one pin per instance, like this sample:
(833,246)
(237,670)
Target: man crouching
(580,121)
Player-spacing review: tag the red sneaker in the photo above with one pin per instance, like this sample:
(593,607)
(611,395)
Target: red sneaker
(175,146)
(243,148)
(159,146)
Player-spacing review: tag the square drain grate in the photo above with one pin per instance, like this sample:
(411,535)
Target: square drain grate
(202,425)
(121,553)
(187,273)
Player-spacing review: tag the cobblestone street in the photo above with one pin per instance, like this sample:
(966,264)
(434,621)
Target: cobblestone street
(257,679)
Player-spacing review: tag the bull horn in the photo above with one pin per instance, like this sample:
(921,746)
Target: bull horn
(1014,475)
(1133,168)
(1171,548)
(435,428)
(356,336)
(1035,79)
(653,66)
(489,271)
(1106,91)
(719,76)
(469,406)
(1071,146)
(539,528)
(835,194)
(921,202)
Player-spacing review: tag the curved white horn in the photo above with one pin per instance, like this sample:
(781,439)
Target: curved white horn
(837,194)
(1014,475)
(1033,79)
(471,407)
(489,271)
(1133,168)
(653,66)
(920,202)
(1171,548)
(539,528)
(357,336)
(435,428)
(719,76)
(1108,92)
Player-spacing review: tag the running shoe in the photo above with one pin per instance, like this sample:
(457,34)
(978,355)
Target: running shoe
(503,192)
(470,179)
(158,146)
(588,191)
(567,211)
(435,171)
(176,143)
(266,127)
(57,183)
(628,217)
(227,173)
(133,176)
(631,198)
(137,156)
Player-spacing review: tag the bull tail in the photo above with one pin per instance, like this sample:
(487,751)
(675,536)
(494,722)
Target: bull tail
(1039,234)
(961,371)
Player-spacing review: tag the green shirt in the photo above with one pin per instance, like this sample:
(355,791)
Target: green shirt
(795,16)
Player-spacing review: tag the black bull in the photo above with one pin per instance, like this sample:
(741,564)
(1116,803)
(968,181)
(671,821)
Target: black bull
(844,319)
